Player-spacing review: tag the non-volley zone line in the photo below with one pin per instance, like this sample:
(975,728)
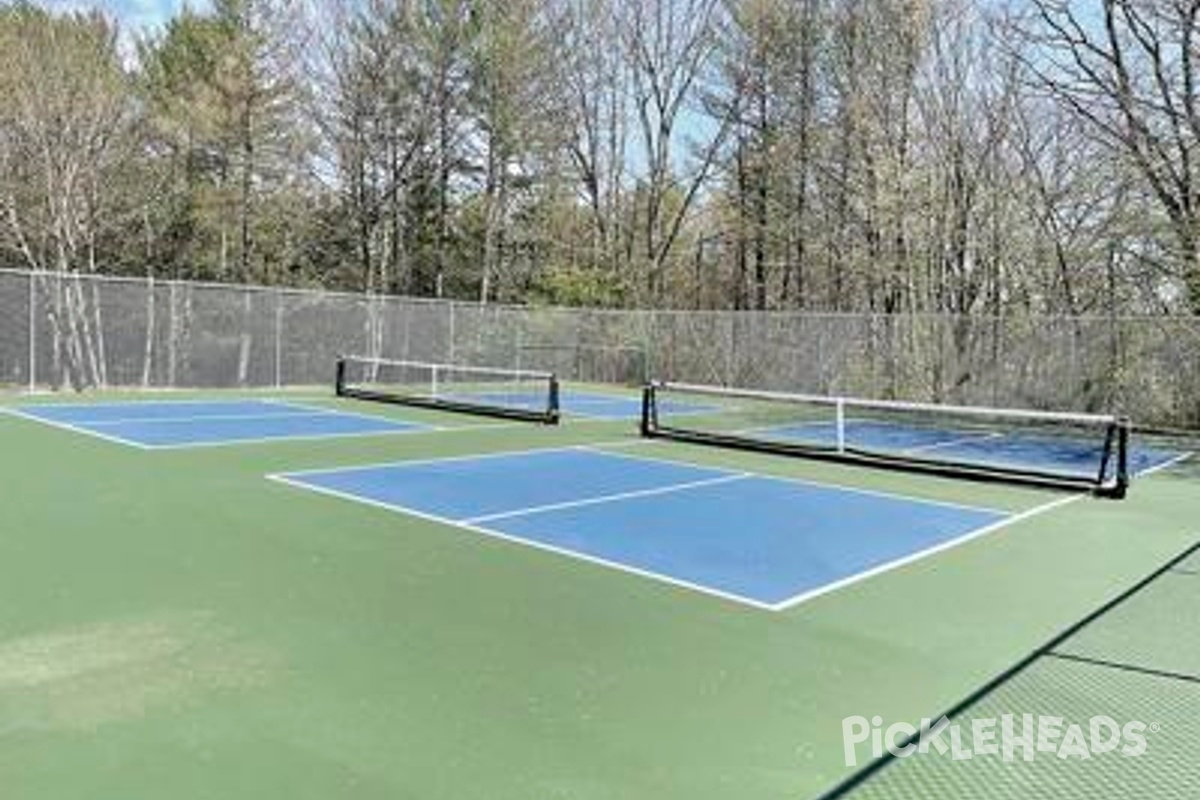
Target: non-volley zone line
(174,424)
(761,541)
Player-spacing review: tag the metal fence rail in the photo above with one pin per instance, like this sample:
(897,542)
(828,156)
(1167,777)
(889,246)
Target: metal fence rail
(77,332)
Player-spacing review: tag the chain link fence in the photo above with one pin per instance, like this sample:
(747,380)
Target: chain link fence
(76,332)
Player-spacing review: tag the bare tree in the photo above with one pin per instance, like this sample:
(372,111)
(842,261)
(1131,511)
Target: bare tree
(669,46)
(594,86)
(69,149)
(1130,70)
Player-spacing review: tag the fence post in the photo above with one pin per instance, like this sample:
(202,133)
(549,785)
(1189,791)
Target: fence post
(731,348)
(32,333)
(278,337)
(172,332)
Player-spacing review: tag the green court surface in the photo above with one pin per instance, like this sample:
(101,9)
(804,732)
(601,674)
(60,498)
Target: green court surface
(176,625)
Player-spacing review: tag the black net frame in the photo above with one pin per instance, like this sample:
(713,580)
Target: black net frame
(548,414)
(1110,480)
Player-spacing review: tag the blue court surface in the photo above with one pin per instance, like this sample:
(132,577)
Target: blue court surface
(607,406)
(1059,455)
(767,542)
(593,405)
(187,423)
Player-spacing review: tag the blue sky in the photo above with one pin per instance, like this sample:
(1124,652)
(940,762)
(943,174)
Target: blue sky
(135,15)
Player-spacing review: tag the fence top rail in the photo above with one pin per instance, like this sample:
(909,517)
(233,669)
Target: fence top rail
(457,305)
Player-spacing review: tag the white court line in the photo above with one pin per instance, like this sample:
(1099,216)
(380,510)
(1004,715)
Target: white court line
(978,437)
(401,426)
(66,426)
(301,410)
(404,427)
(609,498)
(803,481)
(918,449)
(133,403)
(291,403)
(294,437)
(558,448)
(407,429)
(197,418)
(549,548)
(850,580)
(333,410)
(473,523)
(1165,465)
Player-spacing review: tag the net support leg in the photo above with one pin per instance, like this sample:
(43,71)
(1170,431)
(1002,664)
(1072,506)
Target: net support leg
(648,410)
(553,411)
(841,425)
(1123,426)
(1116,454)
(340,380)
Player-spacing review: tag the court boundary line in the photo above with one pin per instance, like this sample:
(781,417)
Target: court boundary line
(413,429)
(558,448)
(407,428)
(66,426)
(203,418)
(295,480)
(284,479)
(598,448)
(1170,462)
(918,555)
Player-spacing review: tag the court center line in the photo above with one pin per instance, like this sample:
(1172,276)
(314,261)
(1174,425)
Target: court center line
(400,429)
(978,437)
(558,448)
(301,411)
(609,498)
(66,426)
(199,418)
(852,442)
(598,448)
(533,543)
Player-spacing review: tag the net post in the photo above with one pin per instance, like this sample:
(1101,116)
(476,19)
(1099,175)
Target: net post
(648,415)
(553,407)
(433,380)
(1116,449)
(340,380)
(841,425)
(278,337)
(1122,483)
(32,333)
